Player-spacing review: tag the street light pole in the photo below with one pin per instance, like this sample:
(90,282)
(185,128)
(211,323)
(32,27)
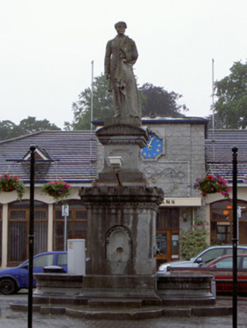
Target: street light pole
(31,238)
(234,238)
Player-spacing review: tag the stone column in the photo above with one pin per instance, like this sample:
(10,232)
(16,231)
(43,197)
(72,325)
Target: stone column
(124,141)
(121,236)
(121,229)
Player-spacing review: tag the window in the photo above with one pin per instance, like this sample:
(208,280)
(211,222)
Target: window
(239,250)
(212,254)
(175,244)
(76,223)
(222,222)
(245,262)
(225,263)
(43,260)
(18,230)
(62,259)
(223,233)
(161,241)
(167,218)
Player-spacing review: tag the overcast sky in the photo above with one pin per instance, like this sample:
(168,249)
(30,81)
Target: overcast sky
(47,47)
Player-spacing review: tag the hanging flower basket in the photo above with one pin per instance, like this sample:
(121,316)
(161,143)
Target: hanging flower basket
(212,184)
(57,189)
(8,188)
(10,183)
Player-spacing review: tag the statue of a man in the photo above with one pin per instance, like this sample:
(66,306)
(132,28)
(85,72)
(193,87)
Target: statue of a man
(121,55)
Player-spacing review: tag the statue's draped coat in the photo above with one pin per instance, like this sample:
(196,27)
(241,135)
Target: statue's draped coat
(121,55)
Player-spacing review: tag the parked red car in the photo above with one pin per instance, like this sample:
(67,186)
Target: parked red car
(221,268)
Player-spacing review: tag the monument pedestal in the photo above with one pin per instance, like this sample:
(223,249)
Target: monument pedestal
(121,235)
(129,288)
(122,246)
(125,141)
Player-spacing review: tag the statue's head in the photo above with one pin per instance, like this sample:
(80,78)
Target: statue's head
(120,23)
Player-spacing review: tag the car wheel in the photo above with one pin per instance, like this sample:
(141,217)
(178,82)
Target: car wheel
(7,287)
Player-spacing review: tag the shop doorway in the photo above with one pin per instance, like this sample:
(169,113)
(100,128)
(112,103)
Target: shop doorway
(167,235)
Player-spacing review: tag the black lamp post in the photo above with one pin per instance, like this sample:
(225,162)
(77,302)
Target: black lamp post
(31,238)
(234,238)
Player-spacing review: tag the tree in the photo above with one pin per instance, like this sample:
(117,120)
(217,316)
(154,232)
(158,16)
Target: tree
(231,91)
(154,100)
(102,105)
(6,129)
(157,101)
(29,125)
(218,123)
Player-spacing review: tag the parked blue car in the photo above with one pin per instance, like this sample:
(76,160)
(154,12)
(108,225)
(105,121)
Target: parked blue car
(13,279)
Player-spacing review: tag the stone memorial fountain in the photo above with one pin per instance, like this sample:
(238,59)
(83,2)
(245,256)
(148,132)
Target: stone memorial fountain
(121,207)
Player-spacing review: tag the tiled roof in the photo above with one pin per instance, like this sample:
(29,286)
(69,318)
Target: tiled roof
(72,154)
(219,146)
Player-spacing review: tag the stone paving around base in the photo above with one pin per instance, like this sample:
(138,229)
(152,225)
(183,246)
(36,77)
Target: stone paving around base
(17,319)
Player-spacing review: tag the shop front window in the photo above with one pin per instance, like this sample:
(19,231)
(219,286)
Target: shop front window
(167,218)
(76,223)
(222,222)
(18,230)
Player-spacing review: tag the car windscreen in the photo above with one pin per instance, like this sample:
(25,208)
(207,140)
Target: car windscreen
(211,255)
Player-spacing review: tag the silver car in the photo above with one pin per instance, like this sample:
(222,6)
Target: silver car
(202,258)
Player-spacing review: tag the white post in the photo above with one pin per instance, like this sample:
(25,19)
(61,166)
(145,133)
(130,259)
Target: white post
(65,234)
(65,213)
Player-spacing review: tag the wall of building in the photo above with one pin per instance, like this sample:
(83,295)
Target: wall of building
(183,161)
(7,198)
(176,169)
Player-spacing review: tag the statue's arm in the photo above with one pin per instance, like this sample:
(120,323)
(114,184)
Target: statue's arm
(131,54)
(108,59)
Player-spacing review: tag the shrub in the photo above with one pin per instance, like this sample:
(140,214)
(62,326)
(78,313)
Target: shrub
(193,241)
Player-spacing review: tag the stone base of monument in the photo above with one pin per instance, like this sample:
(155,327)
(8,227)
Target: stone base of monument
(138,288)
(185,289)
(128,120)
(57,288)
(175,296)
(125,141)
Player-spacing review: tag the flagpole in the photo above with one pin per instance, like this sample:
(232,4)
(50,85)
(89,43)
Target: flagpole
(91,124)
(213,123)
(92,77)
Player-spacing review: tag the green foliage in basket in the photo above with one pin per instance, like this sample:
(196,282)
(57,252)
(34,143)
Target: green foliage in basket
(10,183)
(57,189)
